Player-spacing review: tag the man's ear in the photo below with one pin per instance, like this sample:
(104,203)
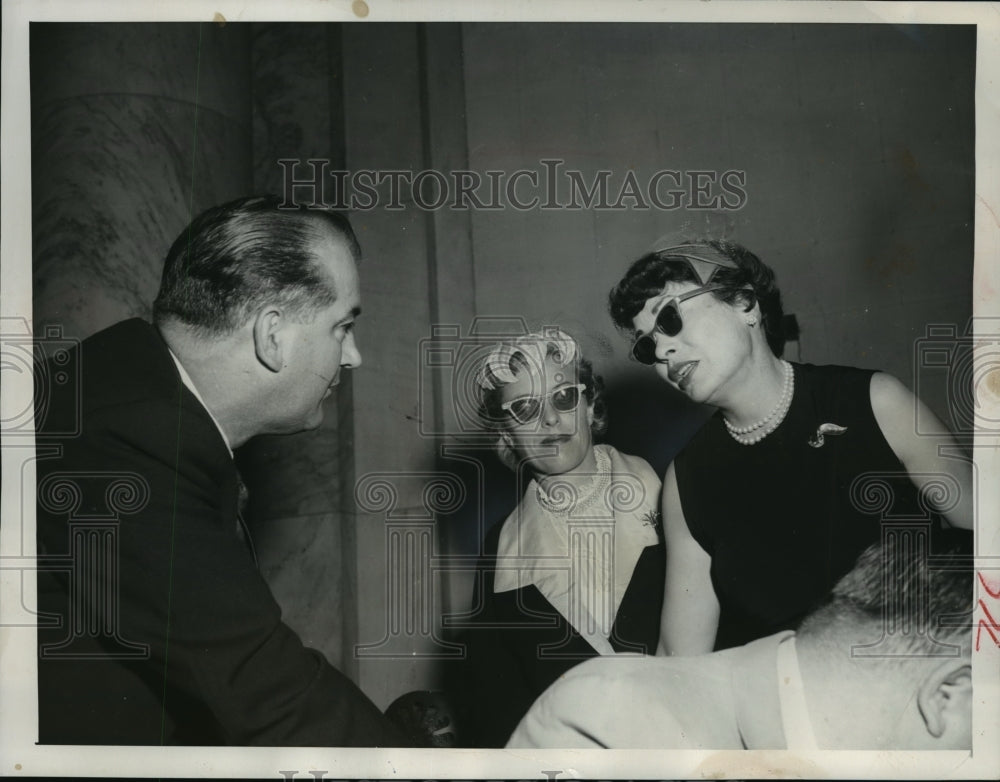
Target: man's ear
(268,336)
(590,414)
(945,698)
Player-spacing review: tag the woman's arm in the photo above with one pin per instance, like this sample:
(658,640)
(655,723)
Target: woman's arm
(896,409)
(690,608)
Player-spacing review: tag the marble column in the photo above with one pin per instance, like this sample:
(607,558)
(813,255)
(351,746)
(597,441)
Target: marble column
(295,481)
(404,111)
(135,129)
(383,132)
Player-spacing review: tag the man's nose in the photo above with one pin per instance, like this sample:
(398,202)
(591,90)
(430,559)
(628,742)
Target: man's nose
(351,356)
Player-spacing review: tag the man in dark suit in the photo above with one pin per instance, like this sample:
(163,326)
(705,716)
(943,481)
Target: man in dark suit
(885,664)
(156,627)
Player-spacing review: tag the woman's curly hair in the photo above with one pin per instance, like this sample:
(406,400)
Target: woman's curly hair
(752,281)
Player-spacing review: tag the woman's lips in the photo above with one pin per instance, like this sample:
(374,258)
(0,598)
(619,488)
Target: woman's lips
(556,439)
(680,374)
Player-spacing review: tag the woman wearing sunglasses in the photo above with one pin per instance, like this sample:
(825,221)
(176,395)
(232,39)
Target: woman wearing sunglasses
(577,569)
(768,505)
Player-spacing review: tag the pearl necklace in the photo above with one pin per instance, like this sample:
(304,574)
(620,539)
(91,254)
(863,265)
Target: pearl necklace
(564,497)
(755,432)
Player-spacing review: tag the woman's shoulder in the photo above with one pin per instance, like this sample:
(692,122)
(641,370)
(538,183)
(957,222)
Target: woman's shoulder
(632,465)
(833,373)
(838,385)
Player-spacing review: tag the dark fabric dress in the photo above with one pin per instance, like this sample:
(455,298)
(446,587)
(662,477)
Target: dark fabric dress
(780,518)
(520,644)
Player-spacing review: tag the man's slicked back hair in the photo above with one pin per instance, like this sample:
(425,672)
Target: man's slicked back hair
(234,258)
(903,588)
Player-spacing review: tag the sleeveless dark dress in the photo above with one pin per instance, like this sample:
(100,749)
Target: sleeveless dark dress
(780,518)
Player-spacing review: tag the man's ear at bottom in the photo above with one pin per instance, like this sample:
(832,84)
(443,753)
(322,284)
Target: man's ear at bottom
(945,699)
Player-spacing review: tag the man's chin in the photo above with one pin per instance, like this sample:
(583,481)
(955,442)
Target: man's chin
(314,420)
(300,426)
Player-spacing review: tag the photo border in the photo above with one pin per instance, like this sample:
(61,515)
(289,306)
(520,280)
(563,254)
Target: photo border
(20,756)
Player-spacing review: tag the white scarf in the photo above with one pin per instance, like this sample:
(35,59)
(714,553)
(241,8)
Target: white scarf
(581,555)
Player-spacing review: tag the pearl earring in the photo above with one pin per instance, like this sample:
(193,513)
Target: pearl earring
(752,322)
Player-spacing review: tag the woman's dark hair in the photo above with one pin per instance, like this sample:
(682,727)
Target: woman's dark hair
(753,281)
(237,256)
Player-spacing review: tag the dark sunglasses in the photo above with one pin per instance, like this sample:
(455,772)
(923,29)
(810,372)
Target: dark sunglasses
(526,409)
(668,321)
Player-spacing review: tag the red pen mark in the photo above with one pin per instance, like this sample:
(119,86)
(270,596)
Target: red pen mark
(990,592)
(989,624)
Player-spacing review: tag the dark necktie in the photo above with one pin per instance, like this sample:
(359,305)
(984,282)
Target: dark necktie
(242,530)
